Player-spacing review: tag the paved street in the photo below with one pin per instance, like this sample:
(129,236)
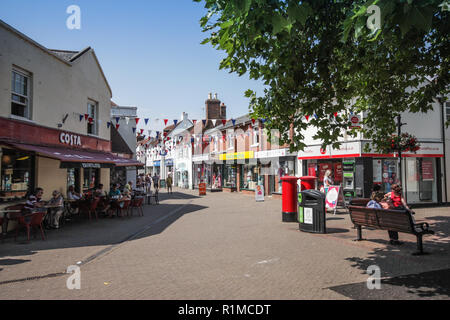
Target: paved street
(224,246)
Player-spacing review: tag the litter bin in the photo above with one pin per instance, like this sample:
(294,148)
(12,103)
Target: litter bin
(311,211)
(289,199)
(308,183)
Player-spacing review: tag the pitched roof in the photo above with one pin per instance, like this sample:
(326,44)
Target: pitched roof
(118,144)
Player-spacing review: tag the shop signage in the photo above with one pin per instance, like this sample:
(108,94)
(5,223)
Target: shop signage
(169,162)
(91,165)
(200,158)
(70,139)
(237,155)
(356,121)
(270,153)
(259,194)
(202,189)
(157,163)
(346,149)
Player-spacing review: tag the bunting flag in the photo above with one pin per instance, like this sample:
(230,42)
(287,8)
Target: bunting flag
(204,122)
(234,122)
(81,117)
(90,120)
(315,116)
(263,120)
(117,126)
(108,124)
(137,120)
(134,130)
(157,134)
(117,119)
(194,122)
(307,118)
(214,122)
(175,122)
(146,121)
(224,122)
(165,121)
(253,121)
(86,116)
(127,120)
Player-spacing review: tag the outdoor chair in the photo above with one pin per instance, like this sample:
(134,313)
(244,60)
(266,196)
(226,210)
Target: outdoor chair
(30,220)
(90,207)
(125,207)
(137,203)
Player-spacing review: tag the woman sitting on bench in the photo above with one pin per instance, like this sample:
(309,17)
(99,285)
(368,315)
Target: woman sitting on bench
(397,202)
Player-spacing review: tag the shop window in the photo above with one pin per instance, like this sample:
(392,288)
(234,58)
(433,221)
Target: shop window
(20,95)
(250,177)
(91,178)
(73,178)
(421,181)
(16,174)
(92,111)
(447,109)
(229,176)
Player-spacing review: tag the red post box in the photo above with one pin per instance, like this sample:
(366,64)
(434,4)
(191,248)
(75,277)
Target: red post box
(308,183)
(289,199)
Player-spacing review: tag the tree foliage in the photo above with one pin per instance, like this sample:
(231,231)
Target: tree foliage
(318,58)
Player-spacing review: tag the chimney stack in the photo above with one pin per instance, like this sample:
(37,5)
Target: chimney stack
(223,111)
(213,109)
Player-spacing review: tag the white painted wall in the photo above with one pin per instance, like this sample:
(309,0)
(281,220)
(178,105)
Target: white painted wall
(58,88)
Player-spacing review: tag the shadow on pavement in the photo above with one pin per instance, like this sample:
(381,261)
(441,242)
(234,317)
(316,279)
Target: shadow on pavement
(404,273)
(9,262)
(84,233)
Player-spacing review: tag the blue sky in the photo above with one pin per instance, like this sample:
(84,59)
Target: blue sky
(149,50)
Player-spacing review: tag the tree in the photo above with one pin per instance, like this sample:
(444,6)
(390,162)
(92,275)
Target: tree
(319,61)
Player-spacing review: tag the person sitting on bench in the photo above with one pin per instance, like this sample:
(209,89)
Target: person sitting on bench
(397,202)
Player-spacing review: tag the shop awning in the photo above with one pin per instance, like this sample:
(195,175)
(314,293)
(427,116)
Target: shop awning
(81,157)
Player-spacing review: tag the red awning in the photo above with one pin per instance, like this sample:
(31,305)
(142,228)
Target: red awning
(76,155)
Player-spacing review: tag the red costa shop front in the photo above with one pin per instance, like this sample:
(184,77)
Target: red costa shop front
(35,156)
(357,172)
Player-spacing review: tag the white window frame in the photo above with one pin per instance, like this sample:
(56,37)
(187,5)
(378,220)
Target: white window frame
(255,137)
(27,75)
(95,122)
(230,141)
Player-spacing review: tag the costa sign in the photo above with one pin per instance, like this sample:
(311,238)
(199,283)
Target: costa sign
(70,139)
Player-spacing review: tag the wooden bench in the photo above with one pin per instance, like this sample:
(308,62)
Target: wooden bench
(390,220)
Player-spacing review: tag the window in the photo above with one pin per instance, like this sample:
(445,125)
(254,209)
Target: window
(20,95)
(91,178)
(230,141)
(92,111)
(255,136)
(16,172)
(447,110)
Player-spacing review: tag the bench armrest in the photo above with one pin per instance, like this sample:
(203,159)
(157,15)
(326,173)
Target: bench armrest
(423,225)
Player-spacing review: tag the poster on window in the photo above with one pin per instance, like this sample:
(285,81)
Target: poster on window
(312,169)
(323,167)
(338,173)
(332,197)
(427,170)
(412,179)
(377,171)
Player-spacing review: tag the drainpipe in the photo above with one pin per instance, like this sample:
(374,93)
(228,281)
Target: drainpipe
(443,144)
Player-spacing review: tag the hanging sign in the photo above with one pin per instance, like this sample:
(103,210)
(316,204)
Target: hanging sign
(356,121)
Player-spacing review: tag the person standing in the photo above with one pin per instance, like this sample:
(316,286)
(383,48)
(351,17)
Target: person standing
(155,179)
(169,184)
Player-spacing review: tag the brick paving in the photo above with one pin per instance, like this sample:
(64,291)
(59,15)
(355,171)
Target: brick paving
(222,246)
